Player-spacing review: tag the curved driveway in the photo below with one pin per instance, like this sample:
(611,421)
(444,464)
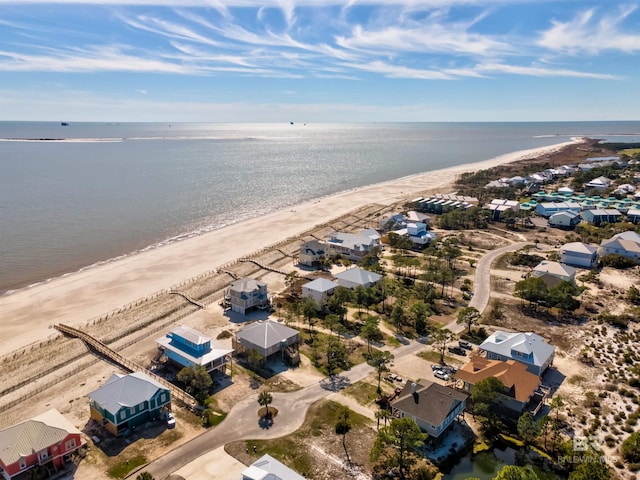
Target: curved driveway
(243,422)
(482,281)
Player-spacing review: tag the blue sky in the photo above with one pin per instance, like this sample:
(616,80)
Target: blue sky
(319,61)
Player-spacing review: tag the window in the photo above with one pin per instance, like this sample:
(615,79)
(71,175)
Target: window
(44,455)
(122,415)
(70,444)
(23,463)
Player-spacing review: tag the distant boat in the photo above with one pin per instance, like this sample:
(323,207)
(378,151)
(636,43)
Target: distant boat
(291,123)
(64,124)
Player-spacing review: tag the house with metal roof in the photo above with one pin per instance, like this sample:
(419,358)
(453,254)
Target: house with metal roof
(579,254)
(552,273)
(312,252)
(356,277)
(432,406)
(127,401)
(247,293)
(268,338)
(268,468)
(187,347)
(564,219)
(319,289)
(599,184)
(626,244)
(353,246)
(47,440)
(523,391)
(546,209)
(527,348)
(598,216)
(633,215)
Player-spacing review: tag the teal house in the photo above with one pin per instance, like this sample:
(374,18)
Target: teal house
(127,401)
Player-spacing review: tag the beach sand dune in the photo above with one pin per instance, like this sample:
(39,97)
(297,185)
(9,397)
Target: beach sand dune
(79,297)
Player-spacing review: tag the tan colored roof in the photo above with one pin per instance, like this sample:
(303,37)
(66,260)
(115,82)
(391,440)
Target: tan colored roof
(33,436)
(512,374)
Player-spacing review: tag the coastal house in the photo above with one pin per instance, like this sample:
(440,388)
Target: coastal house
(47,440)
(579,254)
(552,273)
(356,277)
(498,206)
(527,348)
(445,202)
(312,253)
(522,388)
(268,338)
(633,215)
(546,209)
(565,191)
(418,234)
(353,246)
(564,219)
(185,347)
(319,289)
(626,244)
(414,216)
(624,189)
(598,184)
(127,401)
(268,468)
(432,406)
(247,293)
(598,216)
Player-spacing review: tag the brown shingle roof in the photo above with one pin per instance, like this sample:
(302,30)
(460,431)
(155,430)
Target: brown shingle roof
(514,375)
(431,402)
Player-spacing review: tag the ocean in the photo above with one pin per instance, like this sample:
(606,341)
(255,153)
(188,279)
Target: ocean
(72,196)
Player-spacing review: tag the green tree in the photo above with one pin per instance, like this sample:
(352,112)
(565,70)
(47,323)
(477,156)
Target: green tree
(441,337)
(420,311)
(528,428)
(145,476)
(468,316)
(337,356)
(555,406)
(484,395)
(380,360)
(397,316)
(254,360)
(511,472)
(532,289)
(371,331)
(197,382)
(309,310)
(590,468)
(343,426)
(265,399)
(290,280)
(633,295)
(630,448)
(400,441)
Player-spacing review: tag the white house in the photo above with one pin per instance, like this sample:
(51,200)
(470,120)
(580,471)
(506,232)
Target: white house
(599,184)
(564,219)
(268,468)
(528,348)
(432,406)
(579,254)
(566,191)
(626,244)
(319,289)
(353,246)
(356,276)
(417,232)
(499,205)
(553,273)
(546,209)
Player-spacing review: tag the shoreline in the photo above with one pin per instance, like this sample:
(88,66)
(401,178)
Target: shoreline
(76,297)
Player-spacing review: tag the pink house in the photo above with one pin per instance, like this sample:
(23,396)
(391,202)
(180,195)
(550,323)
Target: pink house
(47,440)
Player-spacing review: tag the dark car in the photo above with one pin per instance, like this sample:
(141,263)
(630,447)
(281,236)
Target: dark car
(458,351)
(466,345)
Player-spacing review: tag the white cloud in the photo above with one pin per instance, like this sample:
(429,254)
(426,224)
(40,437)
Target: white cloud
(588,33)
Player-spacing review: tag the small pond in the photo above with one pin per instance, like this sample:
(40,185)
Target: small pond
(485,465)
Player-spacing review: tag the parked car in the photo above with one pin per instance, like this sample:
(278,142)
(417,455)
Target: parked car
(466,345)
(436,366)
(171,421)
(441,375)
(458,351)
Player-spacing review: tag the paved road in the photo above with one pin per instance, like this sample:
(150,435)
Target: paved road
(243,422)
(482,281)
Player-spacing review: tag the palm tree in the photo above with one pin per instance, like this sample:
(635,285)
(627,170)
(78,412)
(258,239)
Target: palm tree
(265,399)
(145,476)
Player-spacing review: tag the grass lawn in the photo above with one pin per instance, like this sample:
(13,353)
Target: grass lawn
(120,470)
(364,393)
(434,357)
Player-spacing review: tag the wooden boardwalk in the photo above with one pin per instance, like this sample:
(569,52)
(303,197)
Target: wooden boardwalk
(101,349)
(188,298)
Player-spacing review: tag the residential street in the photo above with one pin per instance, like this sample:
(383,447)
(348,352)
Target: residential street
(243,422)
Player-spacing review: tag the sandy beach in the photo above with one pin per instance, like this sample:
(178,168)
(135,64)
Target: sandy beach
(78,297)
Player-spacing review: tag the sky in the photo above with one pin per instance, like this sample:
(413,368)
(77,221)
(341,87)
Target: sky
(319,61)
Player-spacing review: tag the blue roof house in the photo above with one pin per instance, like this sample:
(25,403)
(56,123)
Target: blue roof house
(528,348)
